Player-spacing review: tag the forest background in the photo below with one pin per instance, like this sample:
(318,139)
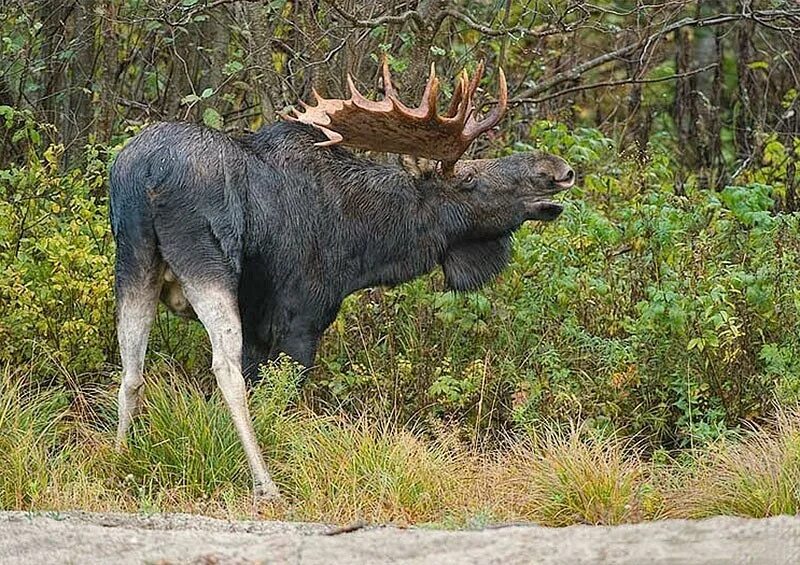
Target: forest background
(654,326)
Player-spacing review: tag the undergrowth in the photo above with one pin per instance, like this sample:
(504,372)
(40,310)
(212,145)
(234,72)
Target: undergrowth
(639,358)
(671,318)
(183,455)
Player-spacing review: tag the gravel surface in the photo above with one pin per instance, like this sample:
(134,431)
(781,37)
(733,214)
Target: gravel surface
(86,538)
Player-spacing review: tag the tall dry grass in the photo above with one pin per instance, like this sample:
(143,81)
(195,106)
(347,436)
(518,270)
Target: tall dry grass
(757,476)
(183,455)
(560,478)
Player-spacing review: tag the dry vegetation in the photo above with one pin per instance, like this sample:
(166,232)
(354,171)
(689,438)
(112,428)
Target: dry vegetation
(184,457)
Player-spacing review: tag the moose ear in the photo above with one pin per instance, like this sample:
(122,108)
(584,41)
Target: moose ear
(470,265)
(418,166)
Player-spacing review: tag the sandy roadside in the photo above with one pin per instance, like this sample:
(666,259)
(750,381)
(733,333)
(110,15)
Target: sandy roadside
(87,538)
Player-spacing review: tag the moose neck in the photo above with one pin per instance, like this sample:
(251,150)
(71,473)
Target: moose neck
(397,225)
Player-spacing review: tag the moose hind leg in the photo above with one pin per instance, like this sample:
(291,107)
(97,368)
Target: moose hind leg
(217,309)
(136,309)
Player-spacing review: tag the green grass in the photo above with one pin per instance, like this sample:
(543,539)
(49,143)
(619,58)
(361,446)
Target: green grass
(56,453)
(30,427)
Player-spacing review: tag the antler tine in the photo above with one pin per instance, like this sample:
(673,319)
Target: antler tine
(465,103)
(460,106)
(389,125)
(357,98)
(389,90)
(427,107)
(333,137)
(475,127)
(455,100)
(476,79)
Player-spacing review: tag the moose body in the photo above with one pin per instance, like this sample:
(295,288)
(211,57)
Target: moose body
(261,237)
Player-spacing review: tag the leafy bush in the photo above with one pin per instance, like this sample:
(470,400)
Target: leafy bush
(672,317)
(668,317)
(56,265)
(55,254)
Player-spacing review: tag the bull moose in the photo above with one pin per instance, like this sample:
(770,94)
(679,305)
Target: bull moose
(262,236)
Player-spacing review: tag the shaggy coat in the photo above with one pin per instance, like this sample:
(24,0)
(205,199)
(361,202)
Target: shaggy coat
(292,229)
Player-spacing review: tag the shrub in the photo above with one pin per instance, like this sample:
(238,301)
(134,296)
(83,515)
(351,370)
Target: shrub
(673,318)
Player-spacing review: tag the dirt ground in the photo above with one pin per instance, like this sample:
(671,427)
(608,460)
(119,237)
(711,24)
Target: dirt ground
(85,538)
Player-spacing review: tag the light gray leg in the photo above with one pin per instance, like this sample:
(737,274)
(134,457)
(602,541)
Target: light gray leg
(136,311)
(217,309)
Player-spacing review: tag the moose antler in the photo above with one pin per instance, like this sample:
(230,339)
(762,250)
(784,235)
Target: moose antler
(391,126)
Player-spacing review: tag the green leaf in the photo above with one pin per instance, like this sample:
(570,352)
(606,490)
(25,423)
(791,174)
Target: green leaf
(206,93)
(213,119)
(696,343)
(232,67)
(190,99)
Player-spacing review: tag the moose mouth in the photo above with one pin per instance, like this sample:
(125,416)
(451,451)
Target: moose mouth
(544,210)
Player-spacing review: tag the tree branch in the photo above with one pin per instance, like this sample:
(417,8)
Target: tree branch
(542,31)
(594,85)
(576,72)
(381,20)
(437,20)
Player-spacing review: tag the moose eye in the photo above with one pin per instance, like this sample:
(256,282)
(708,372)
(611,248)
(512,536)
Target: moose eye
(469,182)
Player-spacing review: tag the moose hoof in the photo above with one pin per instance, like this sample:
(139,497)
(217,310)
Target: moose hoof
(266,492)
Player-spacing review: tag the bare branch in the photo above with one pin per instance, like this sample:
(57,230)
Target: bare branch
(381,20)
(576,72)
(623,82)
(541,31)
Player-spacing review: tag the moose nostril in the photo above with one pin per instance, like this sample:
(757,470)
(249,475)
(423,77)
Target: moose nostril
(568,179)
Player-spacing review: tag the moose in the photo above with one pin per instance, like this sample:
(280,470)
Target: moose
(262,236)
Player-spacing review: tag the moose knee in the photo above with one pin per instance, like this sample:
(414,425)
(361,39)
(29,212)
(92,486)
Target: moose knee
(132,383)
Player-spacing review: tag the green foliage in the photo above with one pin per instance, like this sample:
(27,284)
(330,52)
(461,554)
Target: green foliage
(55,261)
(673,317)
(56,264)
(670,317)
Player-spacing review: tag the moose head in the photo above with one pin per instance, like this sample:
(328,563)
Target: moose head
(487,198)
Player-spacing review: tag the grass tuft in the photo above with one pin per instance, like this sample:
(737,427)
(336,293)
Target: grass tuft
(757,476)
(184,455)
(561,478)
(343,471)
(29,437)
